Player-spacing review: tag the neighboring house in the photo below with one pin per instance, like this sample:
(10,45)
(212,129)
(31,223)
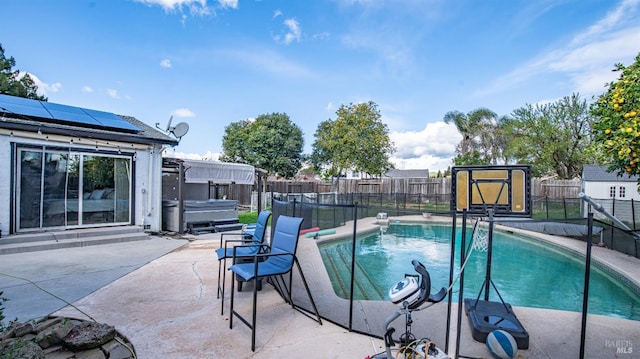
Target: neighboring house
(600,184)
(352,174)
(395,173)
(68,167)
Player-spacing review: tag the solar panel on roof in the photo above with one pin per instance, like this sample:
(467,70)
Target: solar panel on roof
(20,109)
(53,112)
(109,119)
(69,113)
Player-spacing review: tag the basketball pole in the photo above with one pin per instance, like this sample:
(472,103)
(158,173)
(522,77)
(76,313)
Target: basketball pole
(487,280)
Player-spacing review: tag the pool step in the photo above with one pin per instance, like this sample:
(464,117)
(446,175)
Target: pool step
(339,268)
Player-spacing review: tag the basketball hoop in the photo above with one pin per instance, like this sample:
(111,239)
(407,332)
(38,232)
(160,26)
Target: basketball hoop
(480,237)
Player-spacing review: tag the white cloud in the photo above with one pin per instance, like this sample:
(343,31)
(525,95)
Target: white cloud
(432,148)
(330,106)
(166,63)
(393,52)
(44,88)
(195,7)
(431,163)
(269,61)
(87,89)
(294,33)
(231,4)
(183,112)
(277,13)
(210,156)
(322,36)
(113,93)
(588,59)
(626,11)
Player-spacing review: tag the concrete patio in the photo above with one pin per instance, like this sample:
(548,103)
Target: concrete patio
(167,307)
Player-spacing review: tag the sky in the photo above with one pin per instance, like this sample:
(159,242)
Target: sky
(210,63)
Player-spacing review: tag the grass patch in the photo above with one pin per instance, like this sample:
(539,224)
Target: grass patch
(248,217)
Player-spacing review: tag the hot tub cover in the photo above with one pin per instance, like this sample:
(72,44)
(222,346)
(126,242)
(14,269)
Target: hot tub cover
(197,171)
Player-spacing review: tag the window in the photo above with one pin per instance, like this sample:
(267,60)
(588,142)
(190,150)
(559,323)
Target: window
(622,193)
(612,191)
(69,188)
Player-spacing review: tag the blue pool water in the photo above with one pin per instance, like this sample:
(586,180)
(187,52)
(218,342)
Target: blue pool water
(526,272)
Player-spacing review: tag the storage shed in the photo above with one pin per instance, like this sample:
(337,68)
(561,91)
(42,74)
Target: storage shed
(600,184)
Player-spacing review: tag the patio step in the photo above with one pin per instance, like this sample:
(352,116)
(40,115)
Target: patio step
(31,242)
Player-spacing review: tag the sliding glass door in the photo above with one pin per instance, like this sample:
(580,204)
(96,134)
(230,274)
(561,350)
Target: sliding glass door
(67,188)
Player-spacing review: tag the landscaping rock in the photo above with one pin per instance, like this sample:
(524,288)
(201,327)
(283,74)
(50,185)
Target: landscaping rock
(63,338)
(89,335)
(54,334)
(22,349)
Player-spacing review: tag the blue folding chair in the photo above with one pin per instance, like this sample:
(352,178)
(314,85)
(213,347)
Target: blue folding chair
(257,238)
(276,263)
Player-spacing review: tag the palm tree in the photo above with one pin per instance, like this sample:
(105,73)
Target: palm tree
(480,132)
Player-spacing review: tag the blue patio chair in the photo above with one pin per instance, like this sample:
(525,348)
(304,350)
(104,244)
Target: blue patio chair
(278,262)
(257,238)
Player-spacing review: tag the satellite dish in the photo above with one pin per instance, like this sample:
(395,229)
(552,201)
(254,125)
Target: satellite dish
(179,130)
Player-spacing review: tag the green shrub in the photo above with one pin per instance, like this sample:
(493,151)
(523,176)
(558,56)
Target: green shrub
(2,300)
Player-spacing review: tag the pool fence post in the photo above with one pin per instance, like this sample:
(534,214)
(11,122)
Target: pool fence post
(587,273)
(451,264)
(353,264)
(461,291)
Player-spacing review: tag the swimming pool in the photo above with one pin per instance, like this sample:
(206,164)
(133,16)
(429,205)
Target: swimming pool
(526,272)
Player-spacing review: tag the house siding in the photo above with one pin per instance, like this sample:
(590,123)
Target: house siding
(5,184)
(146,179)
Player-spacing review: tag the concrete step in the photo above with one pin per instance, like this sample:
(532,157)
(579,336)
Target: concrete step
(72,238)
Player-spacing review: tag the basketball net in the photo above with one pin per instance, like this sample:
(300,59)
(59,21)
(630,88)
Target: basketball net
(480,237)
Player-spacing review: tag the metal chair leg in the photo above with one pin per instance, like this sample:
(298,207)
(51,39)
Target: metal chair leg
(253,321)
(224,281)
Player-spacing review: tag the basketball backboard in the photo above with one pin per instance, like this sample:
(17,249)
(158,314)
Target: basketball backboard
(505,189)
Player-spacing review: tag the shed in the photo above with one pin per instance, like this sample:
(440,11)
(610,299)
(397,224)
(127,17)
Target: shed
(600,184)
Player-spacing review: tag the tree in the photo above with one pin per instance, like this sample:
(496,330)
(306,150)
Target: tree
(271,142)
(482,140)
(554,138)
(617,113)
(13,83)
(357,139)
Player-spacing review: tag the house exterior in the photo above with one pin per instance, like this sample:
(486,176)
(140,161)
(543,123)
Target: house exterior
(67,167)
(600,184)
(413,173)
(394,173)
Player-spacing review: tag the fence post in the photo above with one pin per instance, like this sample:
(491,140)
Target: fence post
(587,273)
(613,213)
(633,213)
(546,202)
(353,264)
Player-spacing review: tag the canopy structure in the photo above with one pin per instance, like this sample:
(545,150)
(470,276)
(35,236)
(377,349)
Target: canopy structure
(197,171)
